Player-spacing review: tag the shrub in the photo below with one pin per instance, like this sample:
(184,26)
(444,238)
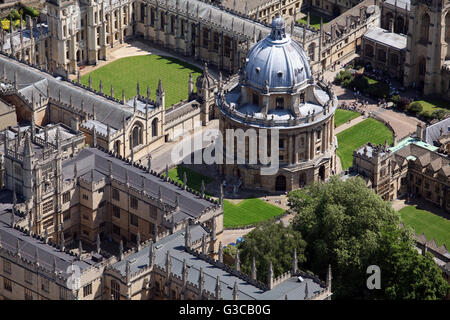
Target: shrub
(439,114)
(426,115)
(403,103)
(415,107)
(14,14)
(29,11)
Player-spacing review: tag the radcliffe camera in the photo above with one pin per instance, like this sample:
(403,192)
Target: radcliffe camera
(251,150)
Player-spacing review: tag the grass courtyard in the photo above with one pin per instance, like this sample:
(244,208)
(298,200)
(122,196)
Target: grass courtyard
(247,212)
(124,73)
(341,116)
(433,104)
(432,225)
(369,130)
(314,21)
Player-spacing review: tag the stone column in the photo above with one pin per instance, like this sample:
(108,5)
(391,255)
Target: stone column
(312,147)
(296,148)
(291,150)
(307,153)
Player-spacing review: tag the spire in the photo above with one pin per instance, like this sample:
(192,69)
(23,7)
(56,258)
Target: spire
(204,244)
(237,262)
(160,87)
(185,271)
(159,194)
(214,229)
(220,254)
(137,89)
(36,256)
(62,242)
(134,105)
(294,262)
(168,263)
(149,162)
(235,291)
(90,82)
(27,150)
(138,241)
(100,86)
(201,282)
(203,188)
(123,96)
(218,290)
(121,250)
(167,172)
(253,268)
(306,291)
(128,271)
(221,195)
(187,235)
(190,84)
(151,254)
(148,92)
(54,265)
(80,249)
(18,247)
(98,243)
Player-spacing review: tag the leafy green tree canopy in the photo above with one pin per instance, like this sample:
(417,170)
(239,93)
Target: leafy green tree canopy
(271,242)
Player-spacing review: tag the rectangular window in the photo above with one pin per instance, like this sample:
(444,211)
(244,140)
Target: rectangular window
(151,228)
(28,277)
(45,285)
(85,197)
(205,38)
(28,294)
(133,238)
(47,207)
(48,223)
(116,211)
(115,194)
(134,220)
(133,202)
(66,215)
(63,294)
(87,290)
(6,266)
(66,197)
(7,284)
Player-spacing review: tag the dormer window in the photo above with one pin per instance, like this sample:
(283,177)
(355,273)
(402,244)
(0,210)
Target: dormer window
(280,74)
(258,69)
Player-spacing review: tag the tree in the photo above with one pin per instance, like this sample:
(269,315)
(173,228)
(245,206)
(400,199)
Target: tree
(415,107)
(270,242)
(347,225)
(439,114)
(406,274)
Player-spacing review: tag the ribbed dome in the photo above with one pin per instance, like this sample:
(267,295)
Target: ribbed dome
(278,59)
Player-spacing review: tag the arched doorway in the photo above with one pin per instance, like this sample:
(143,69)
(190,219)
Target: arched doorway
(322,173)
(155,127)
(117,147)
(280,183)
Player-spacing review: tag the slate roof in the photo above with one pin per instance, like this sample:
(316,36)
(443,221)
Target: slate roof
(26,35)
(387,38)
(175,243)
(28,244)
(433,132)
(91,158)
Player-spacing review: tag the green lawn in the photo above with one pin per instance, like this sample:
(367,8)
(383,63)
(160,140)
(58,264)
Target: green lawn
(124,73)
(194,179)
(432,225)
(314,21)
(369,130)
(341,116)
(248,211)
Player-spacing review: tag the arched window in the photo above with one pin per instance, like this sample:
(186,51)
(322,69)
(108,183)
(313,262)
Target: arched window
(280,183)
(382,55)
(302,180)
(115,290)
(369,50)
(399,25)
(136,135)
(387,20)
(155,127)
(394,59)
(311,51)
(424,26)
(117,147)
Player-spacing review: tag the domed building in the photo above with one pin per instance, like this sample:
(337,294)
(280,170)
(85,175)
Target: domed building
(276,90)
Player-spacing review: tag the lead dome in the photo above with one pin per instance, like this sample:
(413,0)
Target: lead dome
(277,59)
